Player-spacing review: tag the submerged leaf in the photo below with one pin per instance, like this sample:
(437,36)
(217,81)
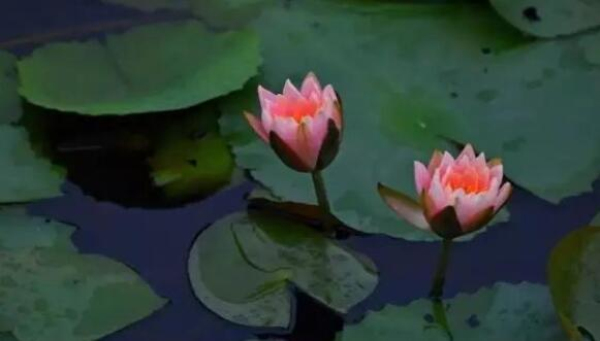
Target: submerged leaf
(191,158)
(270,254)
(49,292)
(151,68)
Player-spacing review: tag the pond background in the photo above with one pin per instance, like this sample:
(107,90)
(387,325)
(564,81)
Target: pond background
(155,242)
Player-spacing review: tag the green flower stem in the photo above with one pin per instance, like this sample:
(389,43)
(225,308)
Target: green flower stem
(437,288)
(440,317)
(321,193)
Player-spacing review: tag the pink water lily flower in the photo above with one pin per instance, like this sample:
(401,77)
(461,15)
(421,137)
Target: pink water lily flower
(304,126)
(457,196)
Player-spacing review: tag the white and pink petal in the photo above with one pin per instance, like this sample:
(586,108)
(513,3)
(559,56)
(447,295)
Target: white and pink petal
(404,206)
(503,195)
(257,126)
(311,87)
(422,177)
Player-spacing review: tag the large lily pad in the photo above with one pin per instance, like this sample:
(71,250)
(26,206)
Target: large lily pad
(128,73)
(504,312)
(467,76)
(151,5)
(596,220)
(10,103)
(49,292)
(7,337)
(517,107)
(228,13)
(216,13)
(550,18)
(242,266)
(26,176)
(391,117)
(574,276)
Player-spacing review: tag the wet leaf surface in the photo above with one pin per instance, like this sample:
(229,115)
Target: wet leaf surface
(50,292)
(391,119)
(470,78)
(550,18)
(270,254)
(10,103)
(504,312)
(27,176)
(127,74)
(574,276)
(216,13)
(151,5)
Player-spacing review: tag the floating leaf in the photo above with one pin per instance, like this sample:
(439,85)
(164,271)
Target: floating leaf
(505,312)
(506,99)
(192,158)
(590,44)
(10,103)
(468,76)
(26,176)
(269,254)
(391,119)
(574,276)
(7,337)
(228,13)
(151,68)
(151,5)
(596,220)
(49,292)
(550,18)
(216,13)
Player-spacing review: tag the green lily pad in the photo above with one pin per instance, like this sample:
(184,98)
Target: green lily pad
(27,176)
(574,276)
(191,158)
(591,48)
(504,312)
(596,220)
(228,13)
(216,13)
(467,76)
(531,91)
(151,5)
(49,292)
(7,337)
(10,103)
(391,118)
(128,74)
(269,254)
(550,18)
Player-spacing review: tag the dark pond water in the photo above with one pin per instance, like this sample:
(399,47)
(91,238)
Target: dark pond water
(156,241)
